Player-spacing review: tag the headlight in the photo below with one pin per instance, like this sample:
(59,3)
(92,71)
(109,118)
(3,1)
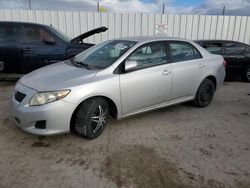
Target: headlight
(41,98)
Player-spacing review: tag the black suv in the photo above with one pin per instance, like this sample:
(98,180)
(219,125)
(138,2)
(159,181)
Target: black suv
(25,47)
(236,54)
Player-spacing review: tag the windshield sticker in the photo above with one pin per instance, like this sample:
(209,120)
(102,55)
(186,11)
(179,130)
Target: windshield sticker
(120,46)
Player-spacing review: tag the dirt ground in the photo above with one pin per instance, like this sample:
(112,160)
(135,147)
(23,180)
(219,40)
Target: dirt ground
(175,147)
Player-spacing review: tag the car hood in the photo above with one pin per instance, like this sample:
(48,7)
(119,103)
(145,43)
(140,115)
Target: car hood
(88,33)
(57,76)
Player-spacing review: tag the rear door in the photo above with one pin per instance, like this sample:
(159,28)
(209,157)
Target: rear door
(234,54)
(39,48)
(188,69)
(9,48)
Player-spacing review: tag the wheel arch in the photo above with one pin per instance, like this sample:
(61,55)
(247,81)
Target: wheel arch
(113,110)
(213,79)
(210,77)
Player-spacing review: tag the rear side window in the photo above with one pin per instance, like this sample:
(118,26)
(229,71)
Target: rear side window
(182,51)
(214,48)
(234,48)
(33,34)
(8,32)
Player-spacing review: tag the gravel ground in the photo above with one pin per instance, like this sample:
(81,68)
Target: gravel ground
(179,146)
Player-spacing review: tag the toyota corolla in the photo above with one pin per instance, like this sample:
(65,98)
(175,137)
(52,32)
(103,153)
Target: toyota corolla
(117,78)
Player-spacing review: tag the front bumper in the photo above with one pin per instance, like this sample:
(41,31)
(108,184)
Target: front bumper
(57,114)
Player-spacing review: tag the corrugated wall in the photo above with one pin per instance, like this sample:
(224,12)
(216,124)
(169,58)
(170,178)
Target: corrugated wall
(134,24)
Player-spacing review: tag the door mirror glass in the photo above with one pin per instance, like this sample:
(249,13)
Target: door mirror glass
(130,65)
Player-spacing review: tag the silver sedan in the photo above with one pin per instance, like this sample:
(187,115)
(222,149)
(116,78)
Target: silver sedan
(117,78)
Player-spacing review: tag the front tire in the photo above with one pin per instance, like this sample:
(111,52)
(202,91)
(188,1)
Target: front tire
(204,94)
(91,118)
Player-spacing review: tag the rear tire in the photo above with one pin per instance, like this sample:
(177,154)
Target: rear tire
(246,74)
(204,94)
(91,118)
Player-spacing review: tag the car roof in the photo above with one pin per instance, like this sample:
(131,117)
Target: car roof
(23,23)
(142,39)
(215,40)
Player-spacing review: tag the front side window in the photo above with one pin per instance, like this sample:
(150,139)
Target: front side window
(149,55)
(234,48)
(33,34)
(214,48)
(60,34)
(183,52)
(105,54)
(45,37)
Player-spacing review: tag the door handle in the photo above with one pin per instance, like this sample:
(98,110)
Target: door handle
(201,65)
(166,72)
(27,49)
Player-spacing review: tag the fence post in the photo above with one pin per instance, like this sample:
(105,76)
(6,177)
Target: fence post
(98,7)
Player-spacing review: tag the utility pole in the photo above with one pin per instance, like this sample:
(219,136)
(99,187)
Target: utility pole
(163,8)
(223,10)
(29,4)
(98,7)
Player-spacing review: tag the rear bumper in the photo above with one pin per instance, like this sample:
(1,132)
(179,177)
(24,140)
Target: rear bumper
(221,74)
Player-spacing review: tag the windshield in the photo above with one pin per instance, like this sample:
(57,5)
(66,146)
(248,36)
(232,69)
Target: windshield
(104,54)
(60,34)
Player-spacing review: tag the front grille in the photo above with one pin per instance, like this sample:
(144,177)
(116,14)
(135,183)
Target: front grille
(19,96)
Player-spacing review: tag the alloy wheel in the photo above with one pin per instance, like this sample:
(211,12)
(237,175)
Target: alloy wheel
(98,119)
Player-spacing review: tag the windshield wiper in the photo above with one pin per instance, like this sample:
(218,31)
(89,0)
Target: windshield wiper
(78,63)
(83,65)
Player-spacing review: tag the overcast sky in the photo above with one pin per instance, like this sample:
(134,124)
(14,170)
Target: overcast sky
(232,7)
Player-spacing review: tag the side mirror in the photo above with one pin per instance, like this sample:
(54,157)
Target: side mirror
(47,41)
(130,65)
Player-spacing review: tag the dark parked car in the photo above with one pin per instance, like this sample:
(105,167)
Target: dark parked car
(236,54)
(25,47)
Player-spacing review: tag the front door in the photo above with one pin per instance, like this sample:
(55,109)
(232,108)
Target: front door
(9,48)
(39,48)
(150,83)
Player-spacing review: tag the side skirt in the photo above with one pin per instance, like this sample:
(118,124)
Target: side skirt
(158,106)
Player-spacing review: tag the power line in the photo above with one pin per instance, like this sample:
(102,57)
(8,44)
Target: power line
(223,10)
(30,4)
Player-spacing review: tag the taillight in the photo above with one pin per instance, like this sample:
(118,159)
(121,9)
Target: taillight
(224,63)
